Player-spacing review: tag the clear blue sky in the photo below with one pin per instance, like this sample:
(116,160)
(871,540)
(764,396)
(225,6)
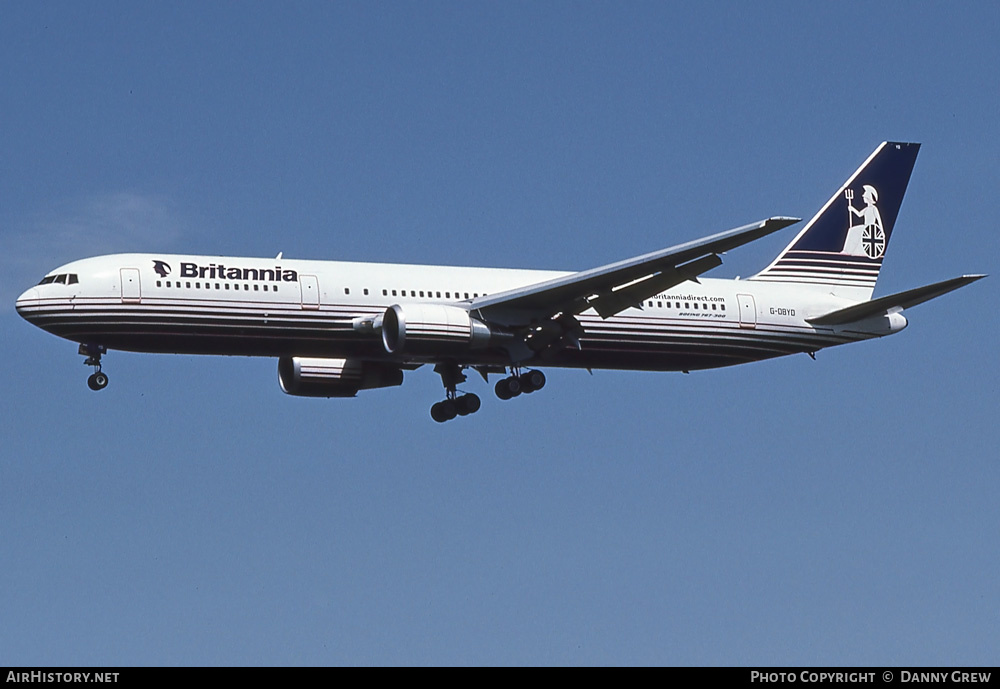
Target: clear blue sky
(842,511)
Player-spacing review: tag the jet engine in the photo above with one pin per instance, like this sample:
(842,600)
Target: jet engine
(432,329)
(314,377)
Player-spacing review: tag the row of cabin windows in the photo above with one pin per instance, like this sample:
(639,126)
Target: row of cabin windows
(219,286)
(413,293)
(689,305)
(72,280)
(274,288)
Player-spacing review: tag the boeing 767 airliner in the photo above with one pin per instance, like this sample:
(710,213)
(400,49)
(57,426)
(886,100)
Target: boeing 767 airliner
(337,328)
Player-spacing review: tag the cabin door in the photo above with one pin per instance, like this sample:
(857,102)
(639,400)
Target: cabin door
(310,291)
(131,293)
(748,311)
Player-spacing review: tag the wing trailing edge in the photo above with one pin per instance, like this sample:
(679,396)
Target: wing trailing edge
(612,288)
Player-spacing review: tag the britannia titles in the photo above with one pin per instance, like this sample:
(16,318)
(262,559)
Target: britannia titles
(217,271)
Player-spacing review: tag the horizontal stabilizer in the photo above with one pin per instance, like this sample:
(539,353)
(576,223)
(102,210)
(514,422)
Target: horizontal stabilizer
(902,300)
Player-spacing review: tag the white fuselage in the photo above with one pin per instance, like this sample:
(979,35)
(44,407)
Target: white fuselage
(283,307)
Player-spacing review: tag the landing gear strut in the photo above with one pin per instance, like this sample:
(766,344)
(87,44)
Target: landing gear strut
(98,380)
(454,404)
(529,381)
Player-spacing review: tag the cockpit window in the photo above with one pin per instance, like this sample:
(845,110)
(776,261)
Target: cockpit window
(64,279)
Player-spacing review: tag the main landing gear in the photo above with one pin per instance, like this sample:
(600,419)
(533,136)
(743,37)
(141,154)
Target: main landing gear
(98,380)
(462,405)
(454,404)
(511,387)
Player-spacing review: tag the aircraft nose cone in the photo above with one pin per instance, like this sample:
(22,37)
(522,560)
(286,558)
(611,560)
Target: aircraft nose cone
(27,302)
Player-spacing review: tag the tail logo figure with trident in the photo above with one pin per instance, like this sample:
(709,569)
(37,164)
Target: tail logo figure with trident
(868,237)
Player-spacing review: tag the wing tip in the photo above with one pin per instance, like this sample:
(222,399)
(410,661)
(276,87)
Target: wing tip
(781,220)
(777,222)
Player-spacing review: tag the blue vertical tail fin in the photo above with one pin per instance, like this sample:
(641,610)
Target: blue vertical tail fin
(841,249)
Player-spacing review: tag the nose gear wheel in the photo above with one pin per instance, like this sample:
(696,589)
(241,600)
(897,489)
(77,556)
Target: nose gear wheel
(98,380)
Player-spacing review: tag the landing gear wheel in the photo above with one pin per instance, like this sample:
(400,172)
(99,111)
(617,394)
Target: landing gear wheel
(532,380)
(508,388)
(93,352)
(455,404)
(468,404)
(436,413)
(501,389)
(445,410)
(98,381)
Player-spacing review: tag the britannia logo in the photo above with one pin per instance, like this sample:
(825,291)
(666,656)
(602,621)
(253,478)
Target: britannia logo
(162,268)
(867,238)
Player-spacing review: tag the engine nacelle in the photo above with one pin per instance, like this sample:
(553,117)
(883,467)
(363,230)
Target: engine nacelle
(314,377)
(432,329)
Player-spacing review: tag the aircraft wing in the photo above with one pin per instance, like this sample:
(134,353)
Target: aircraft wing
(897,302)
(615,287)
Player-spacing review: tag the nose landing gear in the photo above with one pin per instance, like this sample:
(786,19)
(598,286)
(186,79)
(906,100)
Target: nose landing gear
(98,380)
